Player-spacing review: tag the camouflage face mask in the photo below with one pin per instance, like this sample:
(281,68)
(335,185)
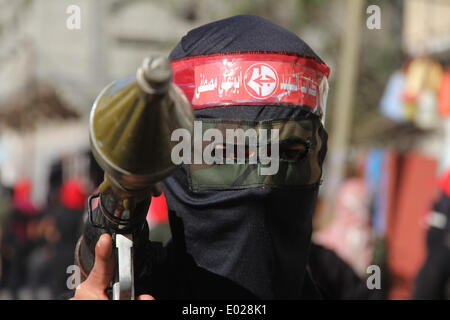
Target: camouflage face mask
(298,163)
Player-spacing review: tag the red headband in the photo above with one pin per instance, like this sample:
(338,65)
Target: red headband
(252,79)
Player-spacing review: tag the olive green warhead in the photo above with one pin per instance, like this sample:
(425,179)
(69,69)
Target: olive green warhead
(131,123)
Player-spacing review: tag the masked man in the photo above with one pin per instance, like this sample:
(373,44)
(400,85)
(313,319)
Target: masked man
(240,229)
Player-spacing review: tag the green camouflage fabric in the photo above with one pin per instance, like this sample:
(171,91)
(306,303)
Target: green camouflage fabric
(304,171)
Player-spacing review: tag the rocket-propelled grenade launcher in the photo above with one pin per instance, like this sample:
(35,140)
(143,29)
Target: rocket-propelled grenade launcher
(130,129)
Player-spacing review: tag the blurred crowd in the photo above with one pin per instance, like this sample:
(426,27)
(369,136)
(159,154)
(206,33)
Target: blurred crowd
(390,215)
(38,243)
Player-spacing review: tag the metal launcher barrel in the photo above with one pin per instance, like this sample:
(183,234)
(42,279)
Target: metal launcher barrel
(130,128)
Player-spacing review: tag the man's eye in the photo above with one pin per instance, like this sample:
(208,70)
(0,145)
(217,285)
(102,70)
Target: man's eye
(234,148)
(293,151)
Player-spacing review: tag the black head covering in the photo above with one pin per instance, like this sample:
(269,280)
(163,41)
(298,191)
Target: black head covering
(258,237)
(243,33)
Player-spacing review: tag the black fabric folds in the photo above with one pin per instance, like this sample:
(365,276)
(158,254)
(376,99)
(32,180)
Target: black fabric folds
(243,33)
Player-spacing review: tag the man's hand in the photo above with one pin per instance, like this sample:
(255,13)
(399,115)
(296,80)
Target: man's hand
(94,287)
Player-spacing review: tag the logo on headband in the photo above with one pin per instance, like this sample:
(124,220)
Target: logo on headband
(261,80)
(252,79)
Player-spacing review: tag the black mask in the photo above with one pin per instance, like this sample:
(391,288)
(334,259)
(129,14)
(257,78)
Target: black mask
(257,236)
